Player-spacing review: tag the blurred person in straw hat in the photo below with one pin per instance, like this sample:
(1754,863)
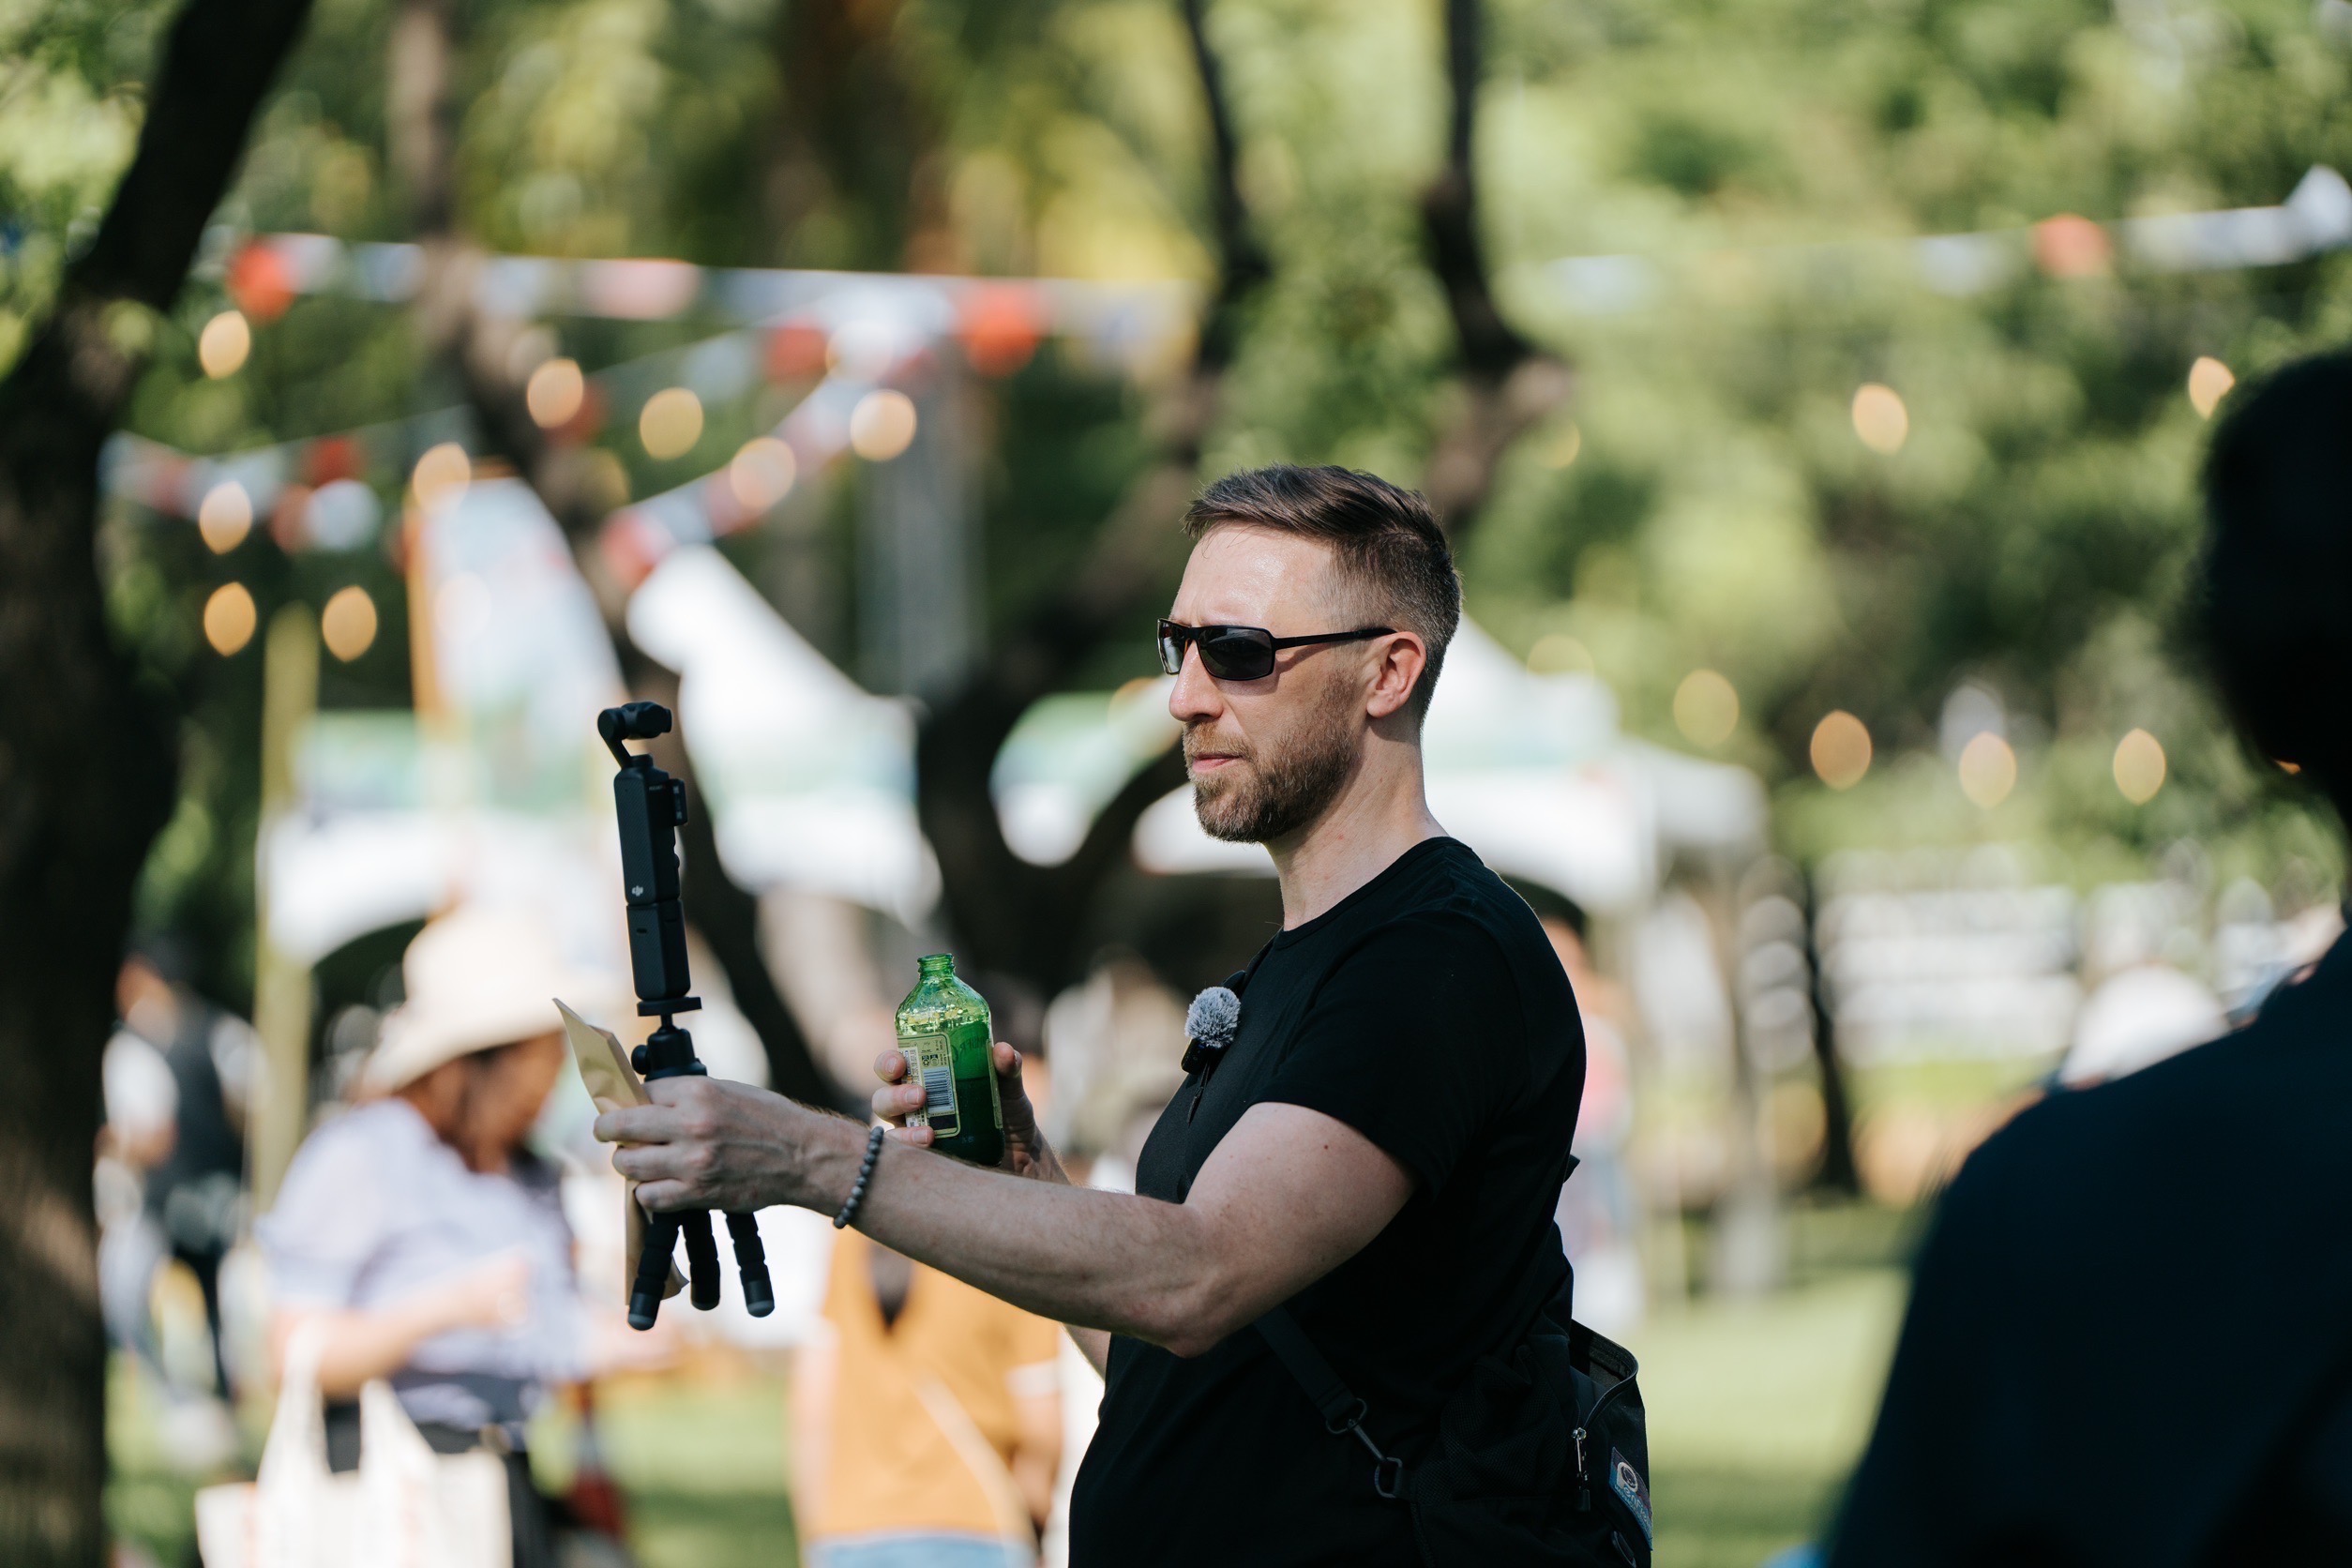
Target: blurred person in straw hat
(417,1229)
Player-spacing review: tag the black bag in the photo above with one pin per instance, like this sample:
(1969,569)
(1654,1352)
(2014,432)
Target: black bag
(1541,1458)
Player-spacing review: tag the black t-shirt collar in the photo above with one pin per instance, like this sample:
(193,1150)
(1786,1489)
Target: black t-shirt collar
(1385,878)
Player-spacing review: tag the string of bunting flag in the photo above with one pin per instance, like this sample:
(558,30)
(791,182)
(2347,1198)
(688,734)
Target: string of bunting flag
(2316,218)
(850,345)
(851,339)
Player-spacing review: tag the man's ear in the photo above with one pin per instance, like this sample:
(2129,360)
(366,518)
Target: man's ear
(1404,659)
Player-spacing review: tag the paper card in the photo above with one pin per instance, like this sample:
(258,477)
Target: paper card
(612,1083)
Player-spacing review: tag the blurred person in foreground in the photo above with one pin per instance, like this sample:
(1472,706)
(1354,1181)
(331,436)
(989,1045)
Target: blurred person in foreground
(927,1420)
(2129,1340)
(419,1236)
(1379,1148)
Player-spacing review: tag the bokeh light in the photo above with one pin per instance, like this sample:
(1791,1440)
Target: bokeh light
(1556,653)
(2072,246)
(230,618)
(761,473)
(442,476)
(224,344)
(1841,749)
(1563,447)
(224,517)
(348,624)
(554,393)
(1879,417)
(1988,770)
(671,423)
(1706,708)
(2209,382)
(2139,766)
(882,425)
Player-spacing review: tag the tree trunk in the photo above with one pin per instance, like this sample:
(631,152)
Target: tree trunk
(480,348)
(1508,384)
(1009,916)
(87,767)
(853,174)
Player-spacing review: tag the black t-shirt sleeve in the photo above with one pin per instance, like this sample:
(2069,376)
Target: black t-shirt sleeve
(1414,1041)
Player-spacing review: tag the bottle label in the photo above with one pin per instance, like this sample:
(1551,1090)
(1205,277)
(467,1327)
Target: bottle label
(930,1063)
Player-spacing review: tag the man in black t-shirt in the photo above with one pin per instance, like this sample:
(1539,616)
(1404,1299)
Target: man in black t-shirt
(1380,1147)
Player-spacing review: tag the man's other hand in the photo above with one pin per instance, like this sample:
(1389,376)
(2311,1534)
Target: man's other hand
(1025,1150)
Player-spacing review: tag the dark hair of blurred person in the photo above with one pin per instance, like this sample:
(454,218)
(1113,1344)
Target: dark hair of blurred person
(2278,569)
(2130,1338)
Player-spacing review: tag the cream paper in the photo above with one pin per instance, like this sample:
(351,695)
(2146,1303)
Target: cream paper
(612,1083)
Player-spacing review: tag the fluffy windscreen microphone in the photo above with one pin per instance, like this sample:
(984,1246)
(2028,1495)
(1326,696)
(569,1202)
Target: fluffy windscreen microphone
(1210,1023)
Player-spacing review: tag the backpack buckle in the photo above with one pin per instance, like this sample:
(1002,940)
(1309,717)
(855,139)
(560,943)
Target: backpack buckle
(1388,1471)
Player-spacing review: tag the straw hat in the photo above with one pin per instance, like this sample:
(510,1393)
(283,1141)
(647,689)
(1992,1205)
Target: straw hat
(476,978)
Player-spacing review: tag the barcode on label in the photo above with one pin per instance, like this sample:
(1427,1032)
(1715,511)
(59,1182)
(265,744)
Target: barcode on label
(934,1067)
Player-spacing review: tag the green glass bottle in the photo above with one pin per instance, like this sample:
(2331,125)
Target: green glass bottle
(950,1047)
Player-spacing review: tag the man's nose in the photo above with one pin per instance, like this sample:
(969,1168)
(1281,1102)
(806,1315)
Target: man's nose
(1195,696)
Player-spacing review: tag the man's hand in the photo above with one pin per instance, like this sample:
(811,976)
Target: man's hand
(1026,1152)
(709,1143)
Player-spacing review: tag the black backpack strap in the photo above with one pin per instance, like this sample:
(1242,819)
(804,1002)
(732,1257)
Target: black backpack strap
(1342,1410)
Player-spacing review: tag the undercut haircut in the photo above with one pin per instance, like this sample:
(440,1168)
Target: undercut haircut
(1391,552)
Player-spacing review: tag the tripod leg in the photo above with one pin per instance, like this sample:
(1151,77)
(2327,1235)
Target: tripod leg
(701,1259)
(653,1270)
(758,1296)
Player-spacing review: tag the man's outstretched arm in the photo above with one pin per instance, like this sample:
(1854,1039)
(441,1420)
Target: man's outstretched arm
(1289,1195)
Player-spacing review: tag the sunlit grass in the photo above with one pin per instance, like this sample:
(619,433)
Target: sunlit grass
(1756,1411)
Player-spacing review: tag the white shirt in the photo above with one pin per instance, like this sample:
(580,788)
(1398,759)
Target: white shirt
(376,1207)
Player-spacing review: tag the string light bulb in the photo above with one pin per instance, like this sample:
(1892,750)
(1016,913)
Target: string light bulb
(1880,418)
(348,623)
(669,422)
(223,345)
(1841,749)
(230,618)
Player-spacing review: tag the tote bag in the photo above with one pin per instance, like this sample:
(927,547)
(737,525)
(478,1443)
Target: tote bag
(405,1507)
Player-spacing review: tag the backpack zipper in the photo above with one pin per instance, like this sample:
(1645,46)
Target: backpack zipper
(1584,1485)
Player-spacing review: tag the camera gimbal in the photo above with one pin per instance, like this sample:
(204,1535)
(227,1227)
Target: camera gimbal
(651,806)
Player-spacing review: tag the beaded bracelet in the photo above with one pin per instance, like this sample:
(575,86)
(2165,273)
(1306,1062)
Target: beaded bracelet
(865,1174)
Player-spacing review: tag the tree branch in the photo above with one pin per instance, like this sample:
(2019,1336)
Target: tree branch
(1013,916)
(1244,265)
(1509,385)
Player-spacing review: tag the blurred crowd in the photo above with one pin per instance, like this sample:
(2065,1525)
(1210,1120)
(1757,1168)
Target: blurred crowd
(450,1227)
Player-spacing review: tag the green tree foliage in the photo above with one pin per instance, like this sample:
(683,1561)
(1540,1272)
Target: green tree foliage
(1705,502)
(2035,529)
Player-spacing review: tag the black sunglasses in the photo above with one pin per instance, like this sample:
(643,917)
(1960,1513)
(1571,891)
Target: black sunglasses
(1241,653)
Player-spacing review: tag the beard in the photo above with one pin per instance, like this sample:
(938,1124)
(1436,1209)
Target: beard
(1268,796)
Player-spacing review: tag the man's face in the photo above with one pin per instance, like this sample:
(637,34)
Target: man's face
(1266,757)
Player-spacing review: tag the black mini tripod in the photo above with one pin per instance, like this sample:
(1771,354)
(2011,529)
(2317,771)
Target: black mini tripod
(652,806)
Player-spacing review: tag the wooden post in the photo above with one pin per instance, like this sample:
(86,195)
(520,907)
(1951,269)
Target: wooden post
(281,983)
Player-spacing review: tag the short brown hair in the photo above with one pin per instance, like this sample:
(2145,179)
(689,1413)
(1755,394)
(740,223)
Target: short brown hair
(1388,542)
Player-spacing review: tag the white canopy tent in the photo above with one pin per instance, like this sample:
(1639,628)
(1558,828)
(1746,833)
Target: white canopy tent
(812,780)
